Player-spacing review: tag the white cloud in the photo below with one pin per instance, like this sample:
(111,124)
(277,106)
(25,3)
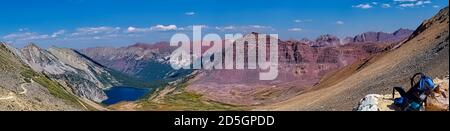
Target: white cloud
(25,36)
(412,3)
(231,27)
(244,28)
(256,28)
(363,6)
(58,33)
(295,29)
(422,2)
(159,27)
(399,3)
(189,13)
(132,29)
(23,29)
(436,6)
(164,28)
(301,21)
(96,30)
(89,33)
(385,6)
(340,22)
(407,5)
(259,27)
(190,27)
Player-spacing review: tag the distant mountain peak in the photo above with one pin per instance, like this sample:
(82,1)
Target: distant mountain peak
(32,45)
(139,45)
(381,37)
(327,40)
(402,31)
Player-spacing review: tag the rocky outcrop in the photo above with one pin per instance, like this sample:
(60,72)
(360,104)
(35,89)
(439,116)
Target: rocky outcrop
(327,40)
(438,100)
(377,102)
(369,103)
(74,71)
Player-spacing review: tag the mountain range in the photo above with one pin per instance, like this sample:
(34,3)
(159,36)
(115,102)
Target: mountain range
(325,74)
(302,64)
(322,74)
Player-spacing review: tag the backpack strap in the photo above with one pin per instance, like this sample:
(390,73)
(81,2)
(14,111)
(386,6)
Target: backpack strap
(413,78)
(400,90)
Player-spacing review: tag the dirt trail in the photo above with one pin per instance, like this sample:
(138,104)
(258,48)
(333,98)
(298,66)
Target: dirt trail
(24,90)
(12,95)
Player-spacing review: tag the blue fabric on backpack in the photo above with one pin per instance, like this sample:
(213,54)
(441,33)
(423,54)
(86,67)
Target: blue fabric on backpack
(414,106)
(399,101)
(426,84)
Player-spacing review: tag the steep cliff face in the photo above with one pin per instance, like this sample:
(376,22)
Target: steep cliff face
(74,71)
(23,89)
(300,66)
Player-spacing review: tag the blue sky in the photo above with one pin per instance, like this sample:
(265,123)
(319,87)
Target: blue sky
(90,23)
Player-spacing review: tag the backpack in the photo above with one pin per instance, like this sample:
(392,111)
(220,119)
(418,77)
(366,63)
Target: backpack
(413,99)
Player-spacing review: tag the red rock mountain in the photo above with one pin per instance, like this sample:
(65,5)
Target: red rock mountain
(426,51)
(301,65)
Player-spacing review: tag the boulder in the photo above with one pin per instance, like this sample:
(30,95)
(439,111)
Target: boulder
(369,103)
(377,102)
(438,99)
